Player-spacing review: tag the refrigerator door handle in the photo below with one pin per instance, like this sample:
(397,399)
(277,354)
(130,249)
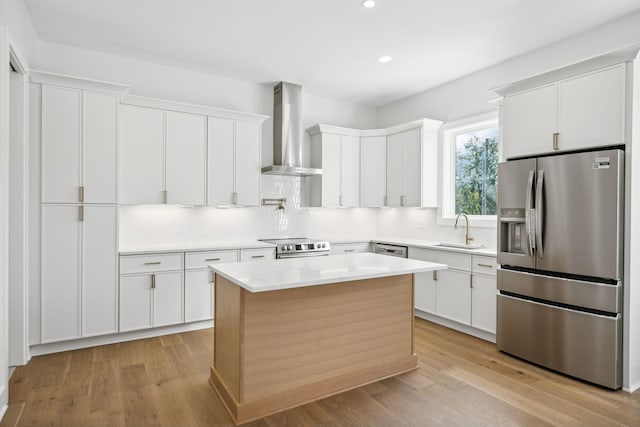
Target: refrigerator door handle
(540,213)
(528,224)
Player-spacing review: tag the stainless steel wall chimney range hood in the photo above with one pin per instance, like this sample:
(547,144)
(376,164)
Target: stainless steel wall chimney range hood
(287,133)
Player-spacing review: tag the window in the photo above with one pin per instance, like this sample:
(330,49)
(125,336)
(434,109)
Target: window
(470,168)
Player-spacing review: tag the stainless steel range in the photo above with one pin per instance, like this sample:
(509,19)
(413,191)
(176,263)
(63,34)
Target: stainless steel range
(299,247)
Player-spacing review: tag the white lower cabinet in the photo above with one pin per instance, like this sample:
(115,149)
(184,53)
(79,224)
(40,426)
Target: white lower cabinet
(257,254)
(168,298)
(151,298)
(79,272)
(454,295)
(135,302)
(464,293)
(199,283)
(350,248)
(198,295)
(483,307)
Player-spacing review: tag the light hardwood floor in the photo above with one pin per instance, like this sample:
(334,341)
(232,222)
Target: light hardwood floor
(162,381)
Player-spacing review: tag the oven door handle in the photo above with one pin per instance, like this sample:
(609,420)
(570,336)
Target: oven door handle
(302,254)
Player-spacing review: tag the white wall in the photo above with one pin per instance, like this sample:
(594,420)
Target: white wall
(14,14)
(4,218)
(469,95)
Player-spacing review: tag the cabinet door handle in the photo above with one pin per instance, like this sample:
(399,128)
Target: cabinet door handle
(212,259)
(401,200)
(81,193)
(349,250)
(555,140)
(81,213)
(385,200)
(435,275)
(165,196)
(340,201)
(485,265)
(257,256)
(471,281)
(153,281)
(234,198)
(153,263)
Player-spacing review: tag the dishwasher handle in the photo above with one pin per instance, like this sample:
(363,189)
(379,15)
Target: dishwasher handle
(392,250)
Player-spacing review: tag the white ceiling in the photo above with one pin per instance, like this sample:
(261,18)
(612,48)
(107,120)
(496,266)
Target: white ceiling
(329,46)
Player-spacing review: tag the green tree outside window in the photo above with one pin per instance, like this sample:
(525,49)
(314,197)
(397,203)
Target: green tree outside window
(477,172)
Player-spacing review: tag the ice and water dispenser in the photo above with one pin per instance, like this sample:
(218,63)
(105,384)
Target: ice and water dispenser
(513,234)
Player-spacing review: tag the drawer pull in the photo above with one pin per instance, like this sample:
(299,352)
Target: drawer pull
(212,259)
(485,265)
(257,256)
(349,250)
(153,263)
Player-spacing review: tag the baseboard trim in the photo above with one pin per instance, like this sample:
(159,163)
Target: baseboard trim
(4,400)
(57,347)
(478,333)
(633,387)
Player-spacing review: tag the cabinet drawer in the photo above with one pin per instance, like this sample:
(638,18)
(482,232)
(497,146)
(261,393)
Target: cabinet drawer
(193,260)
(423,254)
(455,261)
(484,265)
(350,248)
(150,263)
(257,254)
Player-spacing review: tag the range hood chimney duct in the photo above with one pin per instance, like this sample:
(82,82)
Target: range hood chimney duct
(287,132)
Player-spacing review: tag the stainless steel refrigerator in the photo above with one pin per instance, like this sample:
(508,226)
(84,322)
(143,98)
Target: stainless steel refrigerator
(560,246)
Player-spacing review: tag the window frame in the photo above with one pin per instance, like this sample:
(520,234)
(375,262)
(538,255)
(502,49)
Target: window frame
(447,159)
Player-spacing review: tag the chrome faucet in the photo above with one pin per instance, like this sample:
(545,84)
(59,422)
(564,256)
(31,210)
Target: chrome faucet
(467,237)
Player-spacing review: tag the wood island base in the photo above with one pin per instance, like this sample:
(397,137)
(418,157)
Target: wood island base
(276,350)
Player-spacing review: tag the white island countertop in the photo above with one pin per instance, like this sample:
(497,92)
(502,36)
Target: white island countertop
(272,275)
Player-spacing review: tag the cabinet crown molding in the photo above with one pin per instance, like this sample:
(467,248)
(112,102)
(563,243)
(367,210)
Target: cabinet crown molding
(182,107)
(321,128)
(570,70)
(54,79)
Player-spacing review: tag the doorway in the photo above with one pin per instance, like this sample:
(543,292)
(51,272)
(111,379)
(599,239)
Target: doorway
(18,342)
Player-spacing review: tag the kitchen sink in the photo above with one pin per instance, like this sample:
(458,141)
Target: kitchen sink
(458,246)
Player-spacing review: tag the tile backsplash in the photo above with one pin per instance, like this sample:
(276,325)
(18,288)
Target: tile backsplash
(158,225)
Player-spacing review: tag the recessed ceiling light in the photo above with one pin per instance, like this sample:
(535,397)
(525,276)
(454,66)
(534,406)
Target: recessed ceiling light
(384,59)
(368,3)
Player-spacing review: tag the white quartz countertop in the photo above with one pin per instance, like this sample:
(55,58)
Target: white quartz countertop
(196,247)
(272,275)
(431,244)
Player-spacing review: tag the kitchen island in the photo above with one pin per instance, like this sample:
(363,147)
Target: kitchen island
(292,331)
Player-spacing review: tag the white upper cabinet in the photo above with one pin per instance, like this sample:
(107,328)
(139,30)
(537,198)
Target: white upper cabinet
(141,155)
(79,139)
(162,156)
(247,163)
(395,169)
(339,157)
(591,109)
(531,121)
(575,113)
(186,145)
(234,162)
(373,171)
(412,165)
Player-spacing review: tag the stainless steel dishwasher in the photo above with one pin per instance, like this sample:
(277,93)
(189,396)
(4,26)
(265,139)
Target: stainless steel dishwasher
(391,250)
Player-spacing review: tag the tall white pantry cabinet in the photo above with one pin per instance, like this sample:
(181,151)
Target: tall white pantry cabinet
(79,219)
